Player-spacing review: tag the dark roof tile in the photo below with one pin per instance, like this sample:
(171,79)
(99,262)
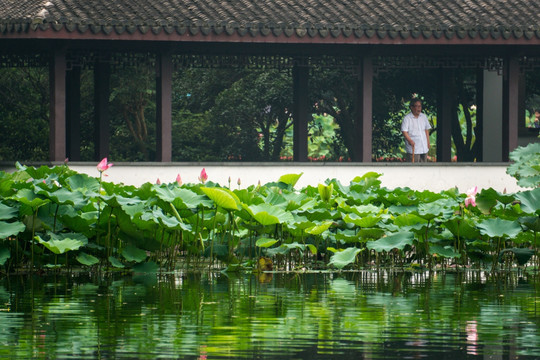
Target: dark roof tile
(498,19)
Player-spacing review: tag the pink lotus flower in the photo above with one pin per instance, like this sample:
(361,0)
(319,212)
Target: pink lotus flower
(203,177)
(178,180)
(158,182)
(103,165)
(471,196)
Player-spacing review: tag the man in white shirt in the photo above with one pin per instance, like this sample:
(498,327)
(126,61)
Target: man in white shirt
(415,128)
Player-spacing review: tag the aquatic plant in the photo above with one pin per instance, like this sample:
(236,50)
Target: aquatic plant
(55,217)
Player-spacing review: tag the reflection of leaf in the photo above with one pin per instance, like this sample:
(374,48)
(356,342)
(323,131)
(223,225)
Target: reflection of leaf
(344,258)
(394,241)
(147,267)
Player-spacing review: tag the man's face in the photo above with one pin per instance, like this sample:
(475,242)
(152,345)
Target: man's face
(416,108)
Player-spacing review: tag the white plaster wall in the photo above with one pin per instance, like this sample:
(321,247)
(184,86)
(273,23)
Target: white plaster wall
(493,96)
(430,176)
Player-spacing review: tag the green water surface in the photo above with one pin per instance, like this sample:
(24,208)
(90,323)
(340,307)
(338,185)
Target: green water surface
(360,315)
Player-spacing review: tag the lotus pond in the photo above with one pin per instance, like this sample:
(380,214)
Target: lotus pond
(347,315)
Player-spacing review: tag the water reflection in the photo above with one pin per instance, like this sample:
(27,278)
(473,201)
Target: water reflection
(366,315)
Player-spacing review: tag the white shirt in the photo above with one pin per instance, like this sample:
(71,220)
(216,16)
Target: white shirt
(416,128)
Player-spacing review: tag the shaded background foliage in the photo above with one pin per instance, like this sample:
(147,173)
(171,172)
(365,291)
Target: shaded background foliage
(239,114)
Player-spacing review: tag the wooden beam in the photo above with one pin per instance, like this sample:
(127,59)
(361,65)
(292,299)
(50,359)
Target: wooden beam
(102,74)
(57,113)
(164,72)
(301,113)
(363,126)
(73,113)
(510,124)
(444,117)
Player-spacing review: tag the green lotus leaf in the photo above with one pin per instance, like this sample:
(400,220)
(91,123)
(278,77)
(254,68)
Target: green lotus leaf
(531,222)
(440,208)
(370,233)
(343,258)
(444,251)
(394,241)
(29,198)
(499,227)
(62,244)
(267,214)
(410,220)
(462,228)
(64,196)
(325,192)
(265,242)
(116,263)
(221,197)
(4,255)
(8,212)
(530,200)
(347,235)
(83,182)
(319,229)
(290,179)
(87,259)
(522,255)
(132,253)
(11,229)
(362,221)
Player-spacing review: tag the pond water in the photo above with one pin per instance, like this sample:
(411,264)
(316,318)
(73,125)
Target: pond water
(360,315)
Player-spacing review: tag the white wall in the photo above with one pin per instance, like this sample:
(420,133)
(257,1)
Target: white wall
(430,176)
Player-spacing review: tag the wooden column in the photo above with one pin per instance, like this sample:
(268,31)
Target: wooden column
(444,117)
(57,111)
(479,129)
(102,74)
(164,107)
(73,113)
(301,112)
(363,125)
(510,107)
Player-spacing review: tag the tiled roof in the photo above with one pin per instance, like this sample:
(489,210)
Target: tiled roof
(315,19)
